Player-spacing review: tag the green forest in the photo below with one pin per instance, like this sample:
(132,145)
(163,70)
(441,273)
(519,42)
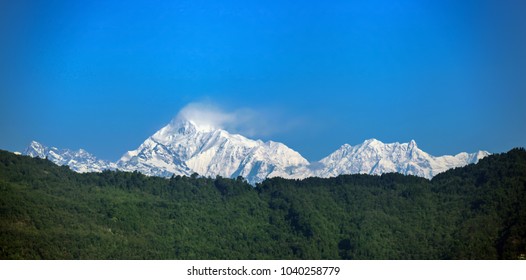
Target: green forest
(50,212)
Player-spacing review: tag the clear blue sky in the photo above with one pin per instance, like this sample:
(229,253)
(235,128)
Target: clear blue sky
(105,75)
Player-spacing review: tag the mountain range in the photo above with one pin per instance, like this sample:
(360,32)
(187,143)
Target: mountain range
(185,146)
(79,161)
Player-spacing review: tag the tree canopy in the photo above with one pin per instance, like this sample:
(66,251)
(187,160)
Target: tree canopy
(50,212)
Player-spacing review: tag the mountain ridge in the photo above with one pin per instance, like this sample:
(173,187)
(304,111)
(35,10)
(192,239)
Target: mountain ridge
(79,161)
(184,147)
(189,147)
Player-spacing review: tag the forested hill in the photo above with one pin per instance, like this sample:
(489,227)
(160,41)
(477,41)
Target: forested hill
(474,212)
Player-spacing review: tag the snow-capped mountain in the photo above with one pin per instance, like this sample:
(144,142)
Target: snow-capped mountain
(186,146)
(375,157)
(79,161)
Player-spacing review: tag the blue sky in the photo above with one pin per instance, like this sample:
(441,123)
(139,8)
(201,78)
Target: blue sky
(105,75)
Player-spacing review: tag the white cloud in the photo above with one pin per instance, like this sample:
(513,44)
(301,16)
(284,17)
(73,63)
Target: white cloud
(245,121)
(206,115)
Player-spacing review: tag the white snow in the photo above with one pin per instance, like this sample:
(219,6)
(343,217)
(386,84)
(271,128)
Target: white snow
(375,157)
(210,152)
(79,161)
(185,146)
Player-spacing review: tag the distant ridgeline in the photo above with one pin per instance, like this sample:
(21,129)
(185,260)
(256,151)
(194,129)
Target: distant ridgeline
(474,212)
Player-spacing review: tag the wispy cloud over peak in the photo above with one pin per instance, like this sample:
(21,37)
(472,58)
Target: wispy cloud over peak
(246,121)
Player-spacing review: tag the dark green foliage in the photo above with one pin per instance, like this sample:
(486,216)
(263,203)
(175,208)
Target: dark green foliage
(50,212)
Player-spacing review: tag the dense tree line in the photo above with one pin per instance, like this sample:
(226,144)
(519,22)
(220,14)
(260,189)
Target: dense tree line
(475,212)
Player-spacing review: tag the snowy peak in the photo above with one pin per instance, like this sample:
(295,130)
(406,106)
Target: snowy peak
(412,144)
(478,156)
(375,157)
(181,126)
(35,149)
(185,146)
(184,125)
(79,161)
